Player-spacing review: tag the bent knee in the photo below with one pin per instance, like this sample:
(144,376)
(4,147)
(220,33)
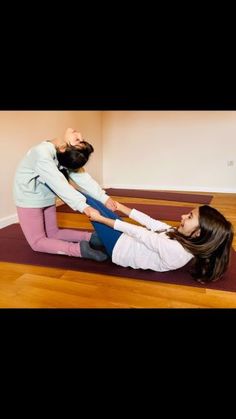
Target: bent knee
(35,247)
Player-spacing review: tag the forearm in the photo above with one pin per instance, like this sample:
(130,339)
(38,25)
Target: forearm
(86,184)
(124,209)
(141,218)
(107,221)
(147,221)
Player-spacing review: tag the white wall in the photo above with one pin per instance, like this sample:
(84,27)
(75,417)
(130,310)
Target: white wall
(175,150)
(20,130)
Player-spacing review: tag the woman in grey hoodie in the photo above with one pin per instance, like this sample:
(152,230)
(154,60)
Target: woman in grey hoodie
(38,181)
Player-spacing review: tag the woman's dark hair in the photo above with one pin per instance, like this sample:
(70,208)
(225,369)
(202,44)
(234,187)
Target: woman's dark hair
(74,158)
(211,248)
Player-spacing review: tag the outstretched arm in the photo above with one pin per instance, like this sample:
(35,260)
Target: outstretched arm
(142,218)
(138,216)
(108,221)
(86,184)
(122,208)
(104,220)
(110,204)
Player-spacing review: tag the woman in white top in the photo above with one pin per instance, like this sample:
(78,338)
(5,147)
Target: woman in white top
(203,235)
(38,181)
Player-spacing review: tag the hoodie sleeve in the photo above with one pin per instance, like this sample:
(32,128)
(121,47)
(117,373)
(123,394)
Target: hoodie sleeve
(88,185)
(45,166)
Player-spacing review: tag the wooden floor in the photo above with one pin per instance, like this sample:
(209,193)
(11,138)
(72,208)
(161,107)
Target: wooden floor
(33,286)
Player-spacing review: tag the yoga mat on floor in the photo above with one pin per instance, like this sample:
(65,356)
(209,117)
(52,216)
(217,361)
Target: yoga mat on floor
(168,196)
(159,212)
(15,249)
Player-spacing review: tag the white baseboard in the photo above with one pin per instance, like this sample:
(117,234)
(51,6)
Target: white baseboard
(173,188)
(6,221)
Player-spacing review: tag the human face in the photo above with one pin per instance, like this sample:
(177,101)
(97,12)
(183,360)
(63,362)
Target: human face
(73,137)
(190,223)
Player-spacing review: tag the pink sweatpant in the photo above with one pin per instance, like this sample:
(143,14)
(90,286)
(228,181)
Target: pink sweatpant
(39,226)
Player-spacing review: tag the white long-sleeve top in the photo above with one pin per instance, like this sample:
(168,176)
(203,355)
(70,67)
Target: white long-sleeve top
(141,247)
(38,181)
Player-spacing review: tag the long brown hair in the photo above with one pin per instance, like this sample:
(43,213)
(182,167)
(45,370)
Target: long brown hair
(212,248)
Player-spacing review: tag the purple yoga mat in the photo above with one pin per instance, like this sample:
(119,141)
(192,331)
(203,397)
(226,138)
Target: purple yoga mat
(168,196)
(159,212)
(15,249)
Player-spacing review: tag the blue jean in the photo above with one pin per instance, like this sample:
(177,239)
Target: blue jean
(107,234)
